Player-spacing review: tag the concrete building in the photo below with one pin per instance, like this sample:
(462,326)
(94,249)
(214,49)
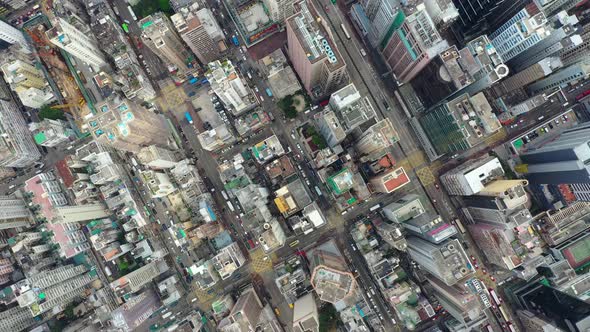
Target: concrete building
(347,111)
(575,52)
(329,273)
(158,183)
(442,12)
(378,137)
(11,35)
(229,86)
(228,260)
(279,74)
(382,16)
(54,288)
(51,133)
(403,209)
(574,73)
(411,47)
(305,315)
(562,160)
(28,82)
(532,322)
(430,228)
(560,225)
(77,43)
(17,148)
(280,10)
(216,138)
(127,126)
(14,213)
(471,177)
(390,181)
(312,52)
(16,319)
(527,76)
(200,31)
(80,213)
(156,157)
(459,302)
(159,36)
(446,261)
(134,281)
(244,315)
(460,124)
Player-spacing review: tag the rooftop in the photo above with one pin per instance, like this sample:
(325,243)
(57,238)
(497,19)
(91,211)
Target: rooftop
(395,179)
(350,107)
(280,167)
(341,182)
(292,197)
(267,149)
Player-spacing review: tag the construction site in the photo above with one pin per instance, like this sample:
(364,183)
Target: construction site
(71,99)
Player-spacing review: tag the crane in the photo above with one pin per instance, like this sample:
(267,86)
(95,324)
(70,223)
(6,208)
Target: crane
(81,102)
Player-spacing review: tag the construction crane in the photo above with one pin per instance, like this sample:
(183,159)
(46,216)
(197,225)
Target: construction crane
(81,102)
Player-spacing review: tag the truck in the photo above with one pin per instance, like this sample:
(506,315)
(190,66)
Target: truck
(231,206)
(188,117)
(268,92)
(193,81)
(224,194)
(235,40)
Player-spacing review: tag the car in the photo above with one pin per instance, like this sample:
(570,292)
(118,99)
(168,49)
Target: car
(550,126)
(492,278)
(261,98)
(473,258)
(484,271)
(39,171)
(12,186)
(244,57)
(476,266)
(541,117)
(436,186)
(521,121)
(256,89)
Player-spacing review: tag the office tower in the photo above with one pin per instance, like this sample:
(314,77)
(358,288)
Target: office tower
(312,52)
(280,10)
(430,228)
(482,17)
(377,138)
(459,302)
(562,160)
(574,73)
(390,181)
(471,177)
(558,226)
(411,47)
(460,123)
(566,312)
(305,314)
(11,35)
(532,322)
(28,82)
(575,52)
(51,133)
(403,209)
(81,45)
(200,31)
(553,7)
(244,315)
(135,280)
(505,205)
(158,183)
(17,148)
(80,213)
(446,261)
(330,276)
(125,125)
(229,86)
(527,76)
(442,12)
(56,288)
(347,110)
(14,212)
(383,17)
(158,34)
(155,157)
(558,34)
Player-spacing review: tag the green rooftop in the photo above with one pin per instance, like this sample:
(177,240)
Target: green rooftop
(40,137)
(341,182)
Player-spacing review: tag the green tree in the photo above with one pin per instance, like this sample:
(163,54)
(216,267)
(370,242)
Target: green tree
(328,318)
(46,112)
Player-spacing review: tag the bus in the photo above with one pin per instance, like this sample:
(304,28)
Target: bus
(132,13)
(345,31)
(503,312)
(231,206)
(495,296)
(459,225)
(188,117)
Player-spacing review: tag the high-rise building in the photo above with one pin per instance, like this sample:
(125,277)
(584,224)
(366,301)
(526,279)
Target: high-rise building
(442,12)
(80,213)
(313,53)
(562,160)
(28,82)
(158,34)
(558,226)
(158,183)
(533,323)
(200,31)
(446,261)
(14,212)
(390,181)
(305,314)
(405,208)
(430,228)
(471,177)
(383,16)
(155,157)
(280,10)
(228,260)
(67,37)
(43,292)
(11,35)
(330,276)
(125,125)
(17,148)
(460,123)
(16,319)
(574,73)
(245,314)
(411,47)
(347,110)
(135,280)
(377,138)
(525,77)
(574,52)
(51,133)
(229,86)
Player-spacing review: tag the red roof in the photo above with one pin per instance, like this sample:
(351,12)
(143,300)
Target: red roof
(64,172)
(396,179)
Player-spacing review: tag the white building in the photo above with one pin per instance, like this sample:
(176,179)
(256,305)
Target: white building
(228,260)
(11,35)
(14,213)
(28,82)
(469,178)
(78,213)
(229,87)
(156,157)
(17,148)
(305,314)
(280,10)
(158,183)
(75,42)
(51,133)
